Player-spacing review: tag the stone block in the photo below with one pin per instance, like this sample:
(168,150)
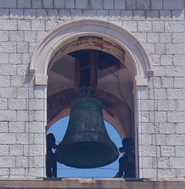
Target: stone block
(146,139)
(39,115)
(9,47)
(155,59)
(48,4)
(7,161)
(7,138)
(153,37)
(15,127)
(24,25)
(8,25)
(16,81)
(16,13)
(3,104)
(60,3)
(38,161)
(120,4)
(175,139)
(37,4)
(30,36)
(179,59)
(176,117)
(8,3)
(69,4)
(38,25)
(102,14)
(159,48)
(168,151)
(16,150)
(4,13)
(178,38)
(23,138)
(17,172)
(17,104)
(152,15)
(3,58)
(36,104)
(158,116)
(158,139)
(8,115)
(22,47)
(180,151)
(165,38)
(53,14)
(126,15)
(39,138)
(3,126)
(138,15)
(161,163)
(180,103)
(108,4)
(177,162)
(15,58)
(173,5)
(147,105)
(158,26)
(146,162)
(41,14)
(179,128)
(4,35)
(76,14)
(166,105)
(7,92)
(96,4)
(165,15)
(131,4)
(25,115)
(156,4)
(143,4)
(177,15)
(150,151)
(166,59)
(65,14)
(4,81)
(179,83)
(149,173)
(166,173)
(4,150)
(36,150)
(23,3)
(29,13)
(16,36)
(175,71)
(114,14)
(4,172)
(130,25)
(24,161)
(144,26)
(174,26)
(175,93)
(36,172)
(23,92)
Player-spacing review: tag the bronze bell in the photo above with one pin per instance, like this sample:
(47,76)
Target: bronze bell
(86,143)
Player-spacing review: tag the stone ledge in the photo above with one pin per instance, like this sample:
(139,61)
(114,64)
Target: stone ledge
(92,183)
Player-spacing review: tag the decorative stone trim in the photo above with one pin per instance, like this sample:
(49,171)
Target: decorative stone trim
(138,62)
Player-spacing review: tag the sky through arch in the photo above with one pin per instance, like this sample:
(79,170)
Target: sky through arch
(109,171)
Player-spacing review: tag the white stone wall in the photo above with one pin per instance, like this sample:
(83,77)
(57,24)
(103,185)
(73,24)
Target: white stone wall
(157,24)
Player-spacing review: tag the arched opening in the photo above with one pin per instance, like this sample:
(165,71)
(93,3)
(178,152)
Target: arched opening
(114,85)
(110,39)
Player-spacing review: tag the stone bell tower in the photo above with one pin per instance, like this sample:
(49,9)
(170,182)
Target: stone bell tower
(146,37)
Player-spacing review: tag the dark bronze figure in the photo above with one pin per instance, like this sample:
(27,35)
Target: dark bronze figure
(127,161)
(51,163)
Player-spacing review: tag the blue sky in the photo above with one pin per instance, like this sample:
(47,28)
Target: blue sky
(109,171)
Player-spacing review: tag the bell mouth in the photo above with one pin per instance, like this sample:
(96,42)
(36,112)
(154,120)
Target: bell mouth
(88,154)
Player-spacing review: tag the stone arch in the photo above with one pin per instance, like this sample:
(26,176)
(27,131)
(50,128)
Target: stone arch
(138,62)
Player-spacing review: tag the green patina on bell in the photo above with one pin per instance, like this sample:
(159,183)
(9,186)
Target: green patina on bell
(86,143)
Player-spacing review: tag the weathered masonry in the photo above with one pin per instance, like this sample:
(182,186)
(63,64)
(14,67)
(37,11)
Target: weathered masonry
(147,37)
